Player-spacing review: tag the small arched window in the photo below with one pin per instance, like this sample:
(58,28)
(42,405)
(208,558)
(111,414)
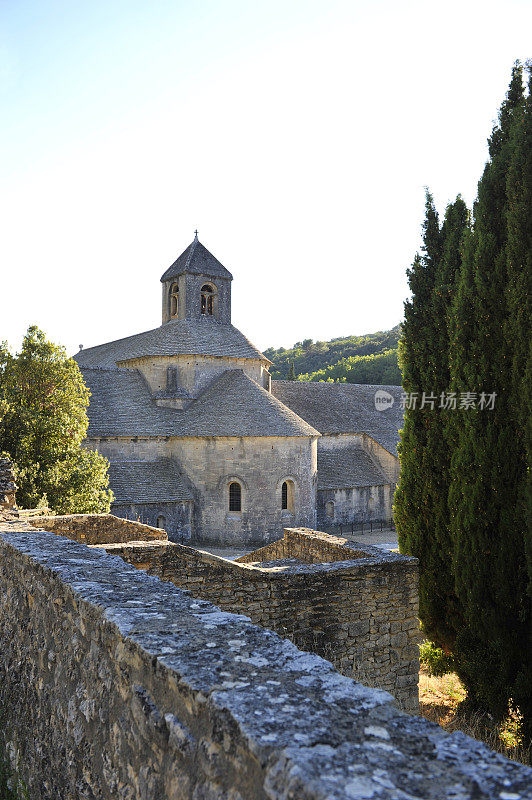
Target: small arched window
(287,496)
(174,301)
(161,521)
(329,509)
(235,496)
(207,299)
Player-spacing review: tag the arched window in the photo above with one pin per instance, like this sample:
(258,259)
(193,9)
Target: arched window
(329,509)
(235,496)
(174,300)
(161,521)
(207,299)
(287,496)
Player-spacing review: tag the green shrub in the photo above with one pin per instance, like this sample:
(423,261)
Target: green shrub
(437,661)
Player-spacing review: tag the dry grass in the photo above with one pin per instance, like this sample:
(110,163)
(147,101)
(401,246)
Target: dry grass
(439,701)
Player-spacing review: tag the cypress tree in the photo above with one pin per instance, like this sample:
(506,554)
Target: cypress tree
(488,546)
(421,512)
(291,372)
(518,336)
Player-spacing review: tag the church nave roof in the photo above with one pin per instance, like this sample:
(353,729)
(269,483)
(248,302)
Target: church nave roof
(156,481)
(346,467)
(233,405)
(344,408)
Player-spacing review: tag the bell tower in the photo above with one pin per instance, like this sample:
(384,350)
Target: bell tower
(196,286)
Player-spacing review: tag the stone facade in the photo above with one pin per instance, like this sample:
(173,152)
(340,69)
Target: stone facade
(114,684)
(357,504)
(259,464)
(352,604)
(388,462)
(176,518)
(189,287)
(193,374)
(8,486)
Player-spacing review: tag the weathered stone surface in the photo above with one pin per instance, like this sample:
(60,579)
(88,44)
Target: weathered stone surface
(327,595)
(117,685)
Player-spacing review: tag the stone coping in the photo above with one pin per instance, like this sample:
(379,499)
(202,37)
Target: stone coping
(315,734)
(373,557)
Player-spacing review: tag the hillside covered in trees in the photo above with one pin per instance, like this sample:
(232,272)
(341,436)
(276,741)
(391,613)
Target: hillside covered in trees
(371,358)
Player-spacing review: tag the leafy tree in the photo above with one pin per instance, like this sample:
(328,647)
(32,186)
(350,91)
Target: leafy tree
(486,516)
(42,427)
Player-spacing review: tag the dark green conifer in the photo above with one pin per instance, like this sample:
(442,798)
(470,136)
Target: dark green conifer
(421,512)
(291,372)
(518,337)
(488,544)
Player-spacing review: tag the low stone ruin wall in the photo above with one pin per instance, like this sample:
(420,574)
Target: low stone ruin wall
(98,528)
(114,684)
(312,547)
(359,609)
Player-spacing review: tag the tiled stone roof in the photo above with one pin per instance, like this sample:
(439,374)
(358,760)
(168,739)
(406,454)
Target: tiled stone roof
(233,405)
(347,467)
(236,406)
(148,481)
(197,260)
(344,408)
(202,337)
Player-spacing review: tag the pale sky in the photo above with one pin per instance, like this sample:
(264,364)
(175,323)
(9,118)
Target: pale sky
(297,136)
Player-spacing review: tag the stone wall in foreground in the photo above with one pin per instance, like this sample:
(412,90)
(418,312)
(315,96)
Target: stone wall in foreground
(114,684)
(98,528)
(359,609)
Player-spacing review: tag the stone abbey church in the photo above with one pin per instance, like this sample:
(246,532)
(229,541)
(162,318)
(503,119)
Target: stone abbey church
(203,443)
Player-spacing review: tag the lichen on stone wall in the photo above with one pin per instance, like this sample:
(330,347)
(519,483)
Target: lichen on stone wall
(352,604)
(131,688)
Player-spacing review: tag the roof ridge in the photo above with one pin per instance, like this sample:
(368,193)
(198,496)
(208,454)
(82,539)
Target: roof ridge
(191,252)
(338,384)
